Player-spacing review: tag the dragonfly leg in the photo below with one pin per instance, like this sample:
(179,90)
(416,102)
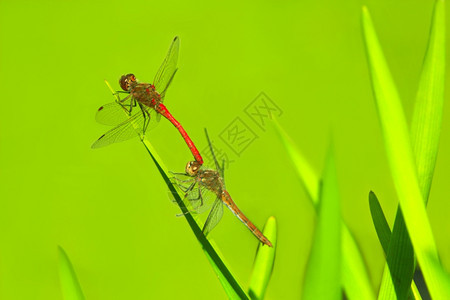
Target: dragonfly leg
(182,180)
(146,119)
(200,196)
(178,173)
(184,188)
(182,214)
(116,94)
(189,189)
(127,107)
(186,212)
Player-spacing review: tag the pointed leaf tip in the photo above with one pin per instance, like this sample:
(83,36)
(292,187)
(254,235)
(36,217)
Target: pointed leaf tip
(70,286)
(264,261)
(323,267)
(401,160)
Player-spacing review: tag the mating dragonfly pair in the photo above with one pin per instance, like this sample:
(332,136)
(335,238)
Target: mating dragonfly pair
(142,105)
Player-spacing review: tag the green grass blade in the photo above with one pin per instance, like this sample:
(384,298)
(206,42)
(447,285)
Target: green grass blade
(70,286)
(425,133)
(263,266)
(402,164)
(305,172)
(355,279)
(400,268)
(400,263)
(379,221)
(427,116)
(323,273)
(415,292)
(229,283)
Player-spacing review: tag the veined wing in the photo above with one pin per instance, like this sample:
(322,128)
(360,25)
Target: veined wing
(214,216)
(129,128)
(183,184)
(199,199)
(168,68)
(114,113)
(216,163)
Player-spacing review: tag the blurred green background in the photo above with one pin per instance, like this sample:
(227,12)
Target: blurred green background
(109,207)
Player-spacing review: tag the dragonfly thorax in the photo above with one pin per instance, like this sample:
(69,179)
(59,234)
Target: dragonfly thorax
(146,94)
(211,180)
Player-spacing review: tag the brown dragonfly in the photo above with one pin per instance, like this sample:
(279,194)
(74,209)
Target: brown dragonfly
(200,185)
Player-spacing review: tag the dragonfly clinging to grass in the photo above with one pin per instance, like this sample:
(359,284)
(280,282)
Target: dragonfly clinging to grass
(132,114)
(200,184)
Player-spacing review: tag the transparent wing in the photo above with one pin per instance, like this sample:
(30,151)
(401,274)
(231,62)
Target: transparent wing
(157,117)
(131,127)
(168,68)
(200,198)
(196,197)
(216,163)
(214,216)
(182,184)
(113,113)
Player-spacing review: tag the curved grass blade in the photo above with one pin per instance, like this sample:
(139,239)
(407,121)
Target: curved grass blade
(70,286)
(379,221)
(263,266)
(425,132)
(402,165)
(229,283)
(427,116)
(305,172)
(355,279)
(414,294)
(323,273)
(425,140)
(401,288)
(400,263)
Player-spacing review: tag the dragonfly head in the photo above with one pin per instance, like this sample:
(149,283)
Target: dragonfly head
(126,80)
(192,168)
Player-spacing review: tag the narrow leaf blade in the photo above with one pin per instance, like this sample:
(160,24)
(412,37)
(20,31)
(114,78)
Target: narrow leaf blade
(263,266)
(304,170)
(379,221)
(355,279)
(323,273)
(401,161)
(385,236)
(229,283)
(70,286)
(427,117)
(400,263)
(425,133)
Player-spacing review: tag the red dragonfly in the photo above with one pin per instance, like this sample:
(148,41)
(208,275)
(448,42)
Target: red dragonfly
(201,185)
(134,112)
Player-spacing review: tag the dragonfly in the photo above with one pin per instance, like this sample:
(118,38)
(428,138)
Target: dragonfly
(131,115)
(200,184)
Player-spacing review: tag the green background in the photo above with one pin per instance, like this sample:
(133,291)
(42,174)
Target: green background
(109,207)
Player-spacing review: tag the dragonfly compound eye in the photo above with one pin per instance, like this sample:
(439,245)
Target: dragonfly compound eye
(124,84)
(192,168)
